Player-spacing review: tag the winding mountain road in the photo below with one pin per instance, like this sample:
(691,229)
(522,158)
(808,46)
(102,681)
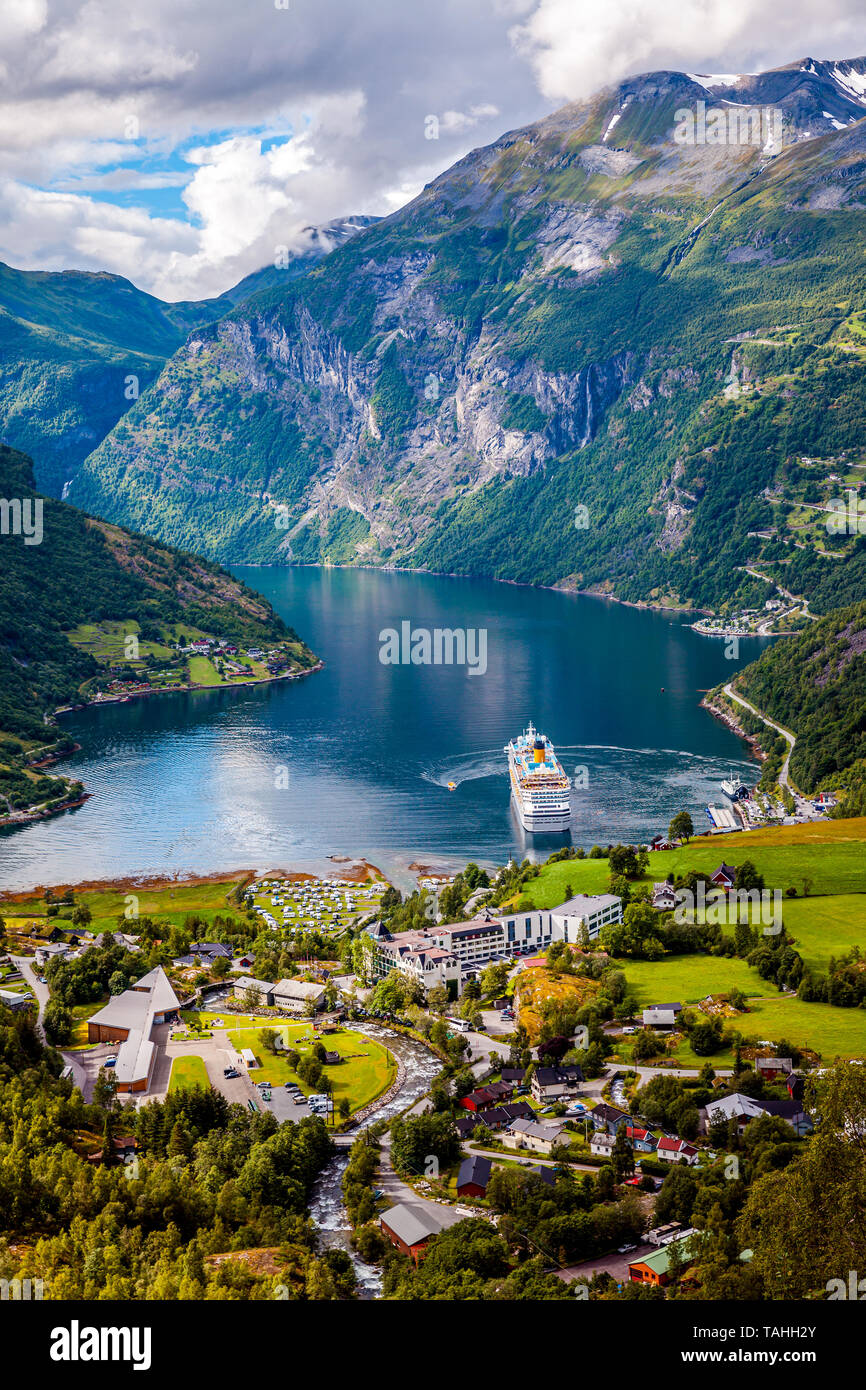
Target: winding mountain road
(784,780)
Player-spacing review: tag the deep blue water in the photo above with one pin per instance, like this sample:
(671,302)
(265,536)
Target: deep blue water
(188,783)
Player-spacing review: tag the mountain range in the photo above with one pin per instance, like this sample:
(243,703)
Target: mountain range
(589,355)
(76,348)
(621,350)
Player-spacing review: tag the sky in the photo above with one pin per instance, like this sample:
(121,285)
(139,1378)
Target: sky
(184,143)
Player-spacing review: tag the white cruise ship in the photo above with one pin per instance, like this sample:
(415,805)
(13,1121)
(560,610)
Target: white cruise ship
(539,787)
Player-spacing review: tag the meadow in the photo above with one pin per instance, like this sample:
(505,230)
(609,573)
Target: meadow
(367,1068)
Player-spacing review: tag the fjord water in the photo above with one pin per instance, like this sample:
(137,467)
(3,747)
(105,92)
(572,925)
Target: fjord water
(356,759)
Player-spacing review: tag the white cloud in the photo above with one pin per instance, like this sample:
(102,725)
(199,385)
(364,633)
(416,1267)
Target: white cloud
(577,46)
(268,120)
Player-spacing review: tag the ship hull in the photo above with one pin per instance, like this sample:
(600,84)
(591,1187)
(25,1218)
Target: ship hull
(542,822)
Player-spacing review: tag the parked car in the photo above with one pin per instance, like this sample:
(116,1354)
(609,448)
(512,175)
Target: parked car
(625,1249)
(299,1100)
(292,1086)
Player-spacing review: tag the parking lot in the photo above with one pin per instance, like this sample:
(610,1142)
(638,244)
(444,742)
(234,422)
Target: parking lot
(615,1264)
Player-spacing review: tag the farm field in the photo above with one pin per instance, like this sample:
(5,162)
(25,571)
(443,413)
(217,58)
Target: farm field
(366,1071)
(207,898)
(187,1072)
(203,672)
(828,1030)
(688,979)
(825,927)
(831,855)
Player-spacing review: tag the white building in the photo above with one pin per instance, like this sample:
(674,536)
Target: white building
(538,928)
(296,995)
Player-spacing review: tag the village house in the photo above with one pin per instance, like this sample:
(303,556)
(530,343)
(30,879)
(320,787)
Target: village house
(499,1117)
(664,897)
(661,1015)
(607,1117)
(772,1067)
(602,1143)
(676,1151)
(474,1175)
(410,1229)
(655,1268)
(724,877)
(527,1134)
(641,1140)
(487,1096)
(555,1083)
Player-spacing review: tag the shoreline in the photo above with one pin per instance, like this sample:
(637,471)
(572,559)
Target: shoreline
(98,703)
(29,818)
(189,879)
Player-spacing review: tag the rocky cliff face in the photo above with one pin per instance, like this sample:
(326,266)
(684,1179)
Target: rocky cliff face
(548,326)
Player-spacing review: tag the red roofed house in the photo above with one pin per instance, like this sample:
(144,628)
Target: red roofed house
(675,1150)
(724,877)
(641,1140)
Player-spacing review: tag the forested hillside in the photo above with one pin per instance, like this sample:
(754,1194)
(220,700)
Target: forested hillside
(84,571)
(209,1178)
(815,685)
(77,348)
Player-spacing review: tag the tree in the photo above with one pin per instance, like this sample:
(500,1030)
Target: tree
(268,1037)
(805,1224)
(105,1089)
(81,915)
(57,1022)
(681,827)
(252,998)
(622,1156)
(117,983)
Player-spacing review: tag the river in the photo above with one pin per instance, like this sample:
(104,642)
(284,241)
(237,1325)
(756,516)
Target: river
(357,759)
(326,1206)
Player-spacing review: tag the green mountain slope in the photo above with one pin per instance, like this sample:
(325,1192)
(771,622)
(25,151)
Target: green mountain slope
(587,355)
(814,684)
(76,349)
(86,572)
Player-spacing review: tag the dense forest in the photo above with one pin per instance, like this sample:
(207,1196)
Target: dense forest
(814,684)
(207,1179)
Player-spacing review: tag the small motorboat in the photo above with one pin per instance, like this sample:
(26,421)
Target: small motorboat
(451,786)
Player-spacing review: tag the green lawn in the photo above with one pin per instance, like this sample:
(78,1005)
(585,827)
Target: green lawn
(187,1072)
(366,1071)
(688,979)
(203,672)
(825,927)
(828,1030)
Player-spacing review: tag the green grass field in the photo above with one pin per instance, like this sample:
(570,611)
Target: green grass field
(187,1072)
(203,672)
(171,901)
(825,927)
(831,854)
(366,1071)
(688,979)
(830,1031)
